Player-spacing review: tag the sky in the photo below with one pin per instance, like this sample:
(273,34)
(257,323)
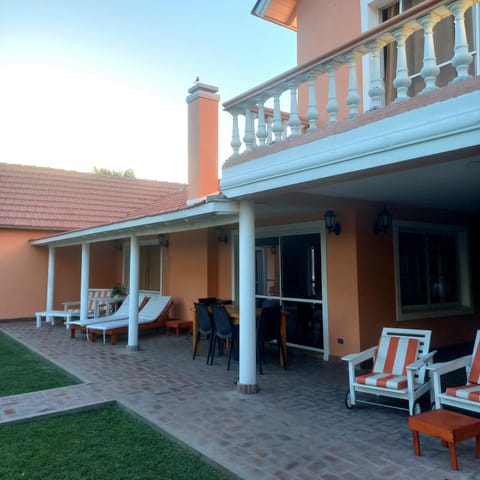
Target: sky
(103,83)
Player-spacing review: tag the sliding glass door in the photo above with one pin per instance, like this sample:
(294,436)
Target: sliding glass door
(289,271)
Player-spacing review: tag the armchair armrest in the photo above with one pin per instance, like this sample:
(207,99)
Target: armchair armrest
(422,361)
(445,367)
(357,358)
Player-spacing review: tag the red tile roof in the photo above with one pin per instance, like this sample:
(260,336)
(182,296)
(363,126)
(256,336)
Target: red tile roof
(53,199)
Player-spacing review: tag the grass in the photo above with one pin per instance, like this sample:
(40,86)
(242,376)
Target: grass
(22,371)
(102,444)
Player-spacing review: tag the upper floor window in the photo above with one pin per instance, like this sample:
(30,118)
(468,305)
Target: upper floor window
(432,271)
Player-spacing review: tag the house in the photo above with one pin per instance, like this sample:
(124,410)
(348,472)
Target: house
(352,192)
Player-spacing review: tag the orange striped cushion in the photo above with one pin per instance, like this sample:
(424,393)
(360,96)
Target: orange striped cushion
(470,391)
(385,380)
(394,354)
(474,376)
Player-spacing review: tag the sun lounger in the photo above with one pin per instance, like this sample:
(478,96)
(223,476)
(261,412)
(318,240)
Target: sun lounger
(120,314)
(152,316)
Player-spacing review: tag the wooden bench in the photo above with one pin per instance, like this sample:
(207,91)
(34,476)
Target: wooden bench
(178,325)
(450,427)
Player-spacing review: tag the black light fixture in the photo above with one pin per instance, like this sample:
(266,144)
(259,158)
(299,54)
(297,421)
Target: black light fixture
(162,240)
(331,222)
(221,235)
(384,222)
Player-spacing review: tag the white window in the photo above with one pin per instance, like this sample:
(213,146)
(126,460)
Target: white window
(432,270)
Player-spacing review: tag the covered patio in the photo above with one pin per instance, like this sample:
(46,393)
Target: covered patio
(297,427)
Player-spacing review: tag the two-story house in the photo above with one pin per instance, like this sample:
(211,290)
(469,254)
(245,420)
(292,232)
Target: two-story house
(352,193)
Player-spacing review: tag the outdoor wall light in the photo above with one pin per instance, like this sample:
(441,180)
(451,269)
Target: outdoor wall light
(221,235)
(331,222)
(163,240)
(384,221)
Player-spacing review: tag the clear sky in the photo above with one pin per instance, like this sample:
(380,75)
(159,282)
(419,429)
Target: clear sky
(103,83)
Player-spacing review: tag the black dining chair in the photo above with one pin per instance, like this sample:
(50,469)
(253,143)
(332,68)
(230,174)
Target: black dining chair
(224,330)
(268,329)
(205,326)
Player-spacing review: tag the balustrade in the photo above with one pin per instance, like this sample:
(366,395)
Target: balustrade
(264,126)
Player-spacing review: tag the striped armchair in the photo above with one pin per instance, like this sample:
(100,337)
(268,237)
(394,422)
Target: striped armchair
(399,369)
(466,396)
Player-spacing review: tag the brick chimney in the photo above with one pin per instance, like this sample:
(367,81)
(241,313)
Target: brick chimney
(202,140)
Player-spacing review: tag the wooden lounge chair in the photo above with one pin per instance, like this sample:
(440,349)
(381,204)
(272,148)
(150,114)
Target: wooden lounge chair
(152,316)
(399,370)
(467,396)
(120,314)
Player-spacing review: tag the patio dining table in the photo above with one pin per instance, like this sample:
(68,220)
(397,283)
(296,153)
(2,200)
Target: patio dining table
(234,313)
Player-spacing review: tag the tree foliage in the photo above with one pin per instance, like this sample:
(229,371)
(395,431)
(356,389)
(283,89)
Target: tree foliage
(116,173)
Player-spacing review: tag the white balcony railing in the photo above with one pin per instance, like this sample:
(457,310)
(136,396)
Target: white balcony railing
(264,126)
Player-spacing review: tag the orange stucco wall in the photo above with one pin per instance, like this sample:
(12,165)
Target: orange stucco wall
(24,269)
(196,265)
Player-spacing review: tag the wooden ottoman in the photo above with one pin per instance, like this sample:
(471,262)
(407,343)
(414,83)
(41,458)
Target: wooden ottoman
(178,325)
(450,427)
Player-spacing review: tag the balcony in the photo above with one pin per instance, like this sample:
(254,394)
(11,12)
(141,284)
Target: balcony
(360,84)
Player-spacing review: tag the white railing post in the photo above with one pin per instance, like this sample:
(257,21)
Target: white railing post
(261,127)
(462,57)
(312,112)
(430,69)
(235,143)
(353,97)
(277,125)
(402,80)
(269,122)
(294,121)
(249,136)
(376,90)
(332,107)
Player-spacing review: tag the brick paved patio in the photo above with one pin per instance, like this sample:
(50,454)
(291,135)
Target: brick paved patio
(296,427)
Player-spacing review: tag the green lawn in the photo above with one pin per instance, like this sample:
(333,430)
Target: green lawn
(102,444)
(22,370)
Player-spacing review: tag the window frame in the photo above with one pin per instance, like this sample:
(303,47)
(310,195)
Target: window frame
(464,304)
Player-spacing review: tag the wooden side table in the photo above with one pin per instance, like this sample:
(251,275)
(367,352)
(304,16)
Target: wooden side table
(450,427)
(178,325)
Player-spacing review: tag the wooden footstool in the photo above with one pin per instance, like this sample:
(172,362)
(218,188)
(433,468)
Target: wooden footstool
(450,427)
(178,325)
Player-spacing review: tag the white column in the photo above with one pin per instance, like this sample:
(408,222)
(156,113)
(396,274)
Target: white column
(247,382)
(462,58)
(430,69)
(294,122)
(332,105)
(133,294)
(402,80)
(353,97)
(50,281)
(376,90)
(277,125)
(84,281)
(235,143)
(312,112)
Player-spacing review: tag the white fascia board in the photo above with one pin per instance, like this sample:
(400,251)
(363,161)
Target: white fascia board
(440,127)
(261,7)
(219,212)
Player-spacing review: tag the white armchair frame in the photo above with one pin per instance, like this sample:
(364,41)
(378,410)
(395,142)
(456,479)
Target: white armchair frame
(439,369)
(417,382)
